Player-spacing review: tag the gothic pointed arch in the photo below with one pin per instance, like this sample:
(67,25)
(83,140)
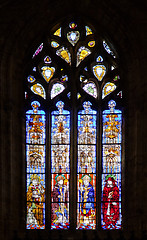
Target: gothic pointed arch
(74,130)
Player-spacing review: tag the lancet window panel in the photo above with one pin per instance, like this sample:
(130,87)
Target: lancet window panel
(60,167)
(35,167)
(111,168)
(86,168)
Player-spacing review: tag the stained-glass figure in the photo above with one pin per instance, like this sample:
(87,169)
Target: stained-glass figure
(110,203)
(31,79)
(91,44)
(47,59)
(91,89)
(88,31)
(39,49)
(35,158)
(111,168)
(72,25)
(82,53)
(39,90)
(108,49)
(99,59)
(60,167)
(73,37)
(58,32)
(54,44)
(57,88)
(35,201)
(64,54)
(99,71)
(86,168)
(47,73)
(108,88)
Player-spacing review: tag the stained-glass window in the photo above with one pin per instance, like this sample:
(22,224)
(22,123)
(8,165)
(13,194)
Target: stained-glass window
(64,54)
(60,167)
(39,49)
(47,72)
(57,88)
(108,88)
(86,168)
(108,49)
(99,71)
(91,89)
(35,157)
(38,89)
(111,167)
(74,145)
(73,37)
(82,53)
(58,32)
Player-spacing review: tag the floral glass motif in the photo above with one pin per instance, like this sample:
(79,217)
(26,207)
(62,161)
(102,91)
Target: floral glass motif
(91,44)
(47,73)
(86,168)
(58,32)
(31,79)
(60,167)
(111,168)
(47,59)
(54,44)
(64,54)
(73,37)
(116,78)
(99,71)
(108,49)
(88,31)
(39,90)
(91,89)
(82,53)
(35,159)
(39,49)
(99,59)
(64,78)
(72,25)
(57,88)
(108,88)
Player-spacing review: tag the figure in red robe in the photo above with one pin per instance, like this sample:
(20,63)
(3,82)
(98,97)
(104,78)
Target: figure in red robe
(110,205)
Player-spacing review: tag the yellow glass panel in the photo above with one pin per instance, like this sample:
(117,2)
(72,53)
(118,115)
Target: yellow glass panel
(82,54)
(99,71)
(91,44)
(88,30)
(65,54)
(54,44)
(58,32)
(48,73)
(108,88)
(39,90)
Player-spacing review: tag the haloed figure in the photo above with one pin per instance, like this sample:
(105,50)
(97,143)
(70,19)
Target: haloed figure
(59,199)
(110,203)
(86,196)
